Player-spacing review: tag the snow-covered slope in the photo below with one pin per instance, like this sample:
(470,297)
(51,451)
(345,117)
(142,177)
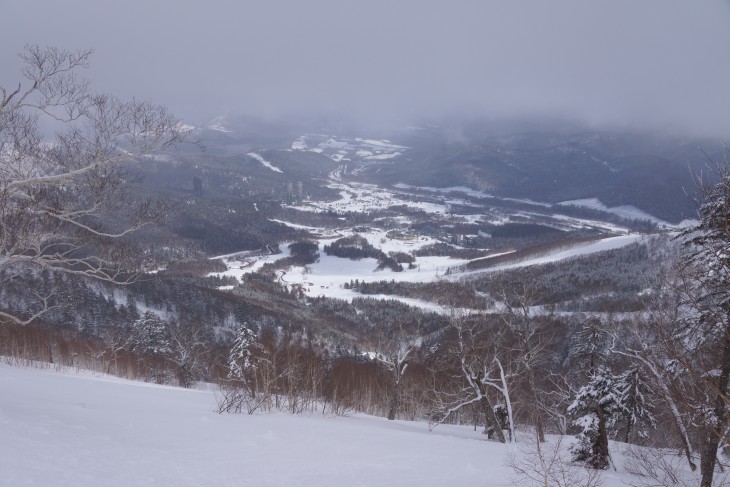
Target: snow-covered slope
(264,162)
(628,212)
(75,430)
(67,429)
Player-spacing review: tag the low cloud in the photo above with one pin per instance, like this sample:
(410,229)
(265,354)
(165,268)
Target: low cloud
(648,64)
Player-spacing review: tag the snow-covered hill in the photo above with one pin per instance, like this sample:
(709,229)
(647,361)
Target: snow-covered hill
(75,429)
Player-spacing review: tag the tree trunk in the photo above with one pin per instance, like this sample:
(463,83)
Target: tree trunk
(712,433)
(538,414)
(508,402)
(393,406)
(629,426)
(491,418)
(661,382)
(602,459)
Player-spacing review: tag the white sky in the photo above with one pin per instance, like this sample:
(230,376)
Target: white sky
(650,63)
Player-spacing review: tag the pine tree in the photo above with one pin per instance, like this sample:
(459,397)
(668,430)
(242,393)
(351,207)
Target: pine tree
(590,343)
(241,361)
(701,344)
(132,309)
(634,398)
(595,408)
(151,337)
(152,342)
(240,391)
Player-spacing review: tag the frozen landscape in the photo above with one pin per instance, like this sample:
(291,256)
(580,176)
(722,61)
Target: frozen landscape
(416,243)
(329,275)
(78,429)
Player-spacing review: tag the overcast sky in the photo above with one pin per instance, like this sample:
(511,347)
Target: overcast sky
(647,63)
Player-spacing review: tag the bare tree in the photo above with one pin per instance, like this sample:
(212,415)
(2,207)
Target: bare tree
(397,364)
(57,194)
(529,342)
(116,339)
(540,464)
(660,467)
(190,343)
(477,362)
(641,344)
(393,352)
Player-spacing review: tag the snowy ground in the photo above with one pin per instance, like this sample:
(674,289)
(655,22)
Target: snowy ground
(625,211)
(71,429)
(601,245)
(341,149)
(328,276)
(264,162)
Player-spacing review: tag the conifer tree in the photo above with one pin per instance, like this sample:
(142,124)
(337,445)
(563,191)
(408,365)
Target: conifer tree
(152,342)
(241,362)
(595,408)
(151,337)
(635,400)
(700,342)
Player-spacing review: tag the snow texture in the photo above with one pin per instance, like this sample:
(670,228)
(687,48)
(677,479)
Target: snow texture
(65,428)
(78,429)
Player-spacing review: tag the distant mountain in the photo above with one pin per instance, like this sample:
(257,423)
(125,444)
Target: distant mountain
(549,162)
(552,164)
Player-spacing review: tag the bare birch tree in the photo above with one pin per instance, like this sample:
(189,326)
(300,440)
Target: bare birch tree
(477,363)
(57,194)
(529,342)
(394,352)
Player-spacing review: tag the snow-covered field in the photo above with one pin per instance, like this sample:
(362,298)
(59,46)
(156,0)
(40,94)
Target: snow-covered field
(341,149)
(625,211)
(77,429)
(361,198)
(264,162)
(601,245)
(328,276)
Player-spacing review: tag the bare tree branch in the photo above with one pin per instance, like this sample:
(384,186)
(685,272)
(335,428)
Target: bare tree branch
(63,204)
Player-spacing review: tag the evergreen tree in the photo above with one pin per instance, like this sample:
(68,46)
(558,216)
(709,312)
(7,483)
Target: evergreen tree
(240,391)
(634,398)
(132,309)
(150,336)
(701,344)
(241,361)
(595,408)
(152,342)
(590,343)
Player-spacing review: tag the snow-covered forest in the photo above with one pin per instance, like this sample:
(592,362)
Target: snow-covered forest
(446,245)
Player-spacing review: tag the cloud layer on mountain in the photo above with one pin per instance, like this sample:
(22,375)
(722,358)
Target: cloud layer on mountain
(654,63)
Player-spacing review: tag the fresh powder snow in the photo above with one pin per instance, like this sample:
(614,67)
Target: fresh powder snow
(78,429)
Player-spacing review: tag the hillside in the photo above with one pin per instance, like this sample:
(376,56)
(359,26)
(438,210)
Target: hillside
(297,270)
(553,163)
(77,429)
